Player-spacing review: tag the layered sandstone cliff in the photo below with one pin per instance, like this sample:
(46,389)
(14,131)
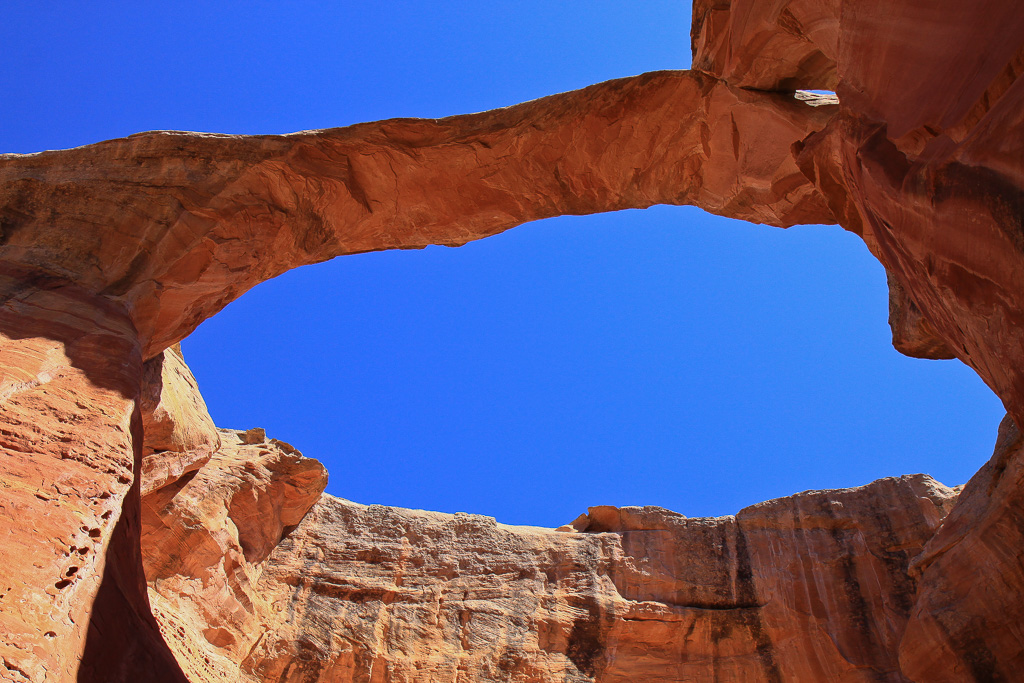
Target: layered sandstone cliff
(814,587)
(113,252)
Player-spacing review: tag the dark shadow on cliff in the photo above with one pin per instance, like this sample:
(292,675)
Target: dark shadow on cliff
(96,332)
(124,644)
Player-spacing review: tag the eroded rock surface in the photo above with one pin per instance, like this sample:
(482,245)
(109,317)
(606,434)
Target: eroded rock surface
(205,538)
(72,593)
(968,620)
(177,225)
(179,434)
(814,587)
(113,252)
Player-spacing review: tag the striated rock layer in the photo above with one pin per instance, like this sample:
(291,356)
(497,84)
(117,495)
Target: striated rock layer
(814,587)
(113,252)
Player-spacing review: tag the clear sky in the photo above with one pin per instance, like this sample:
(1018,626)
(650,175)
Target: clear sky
(660,357)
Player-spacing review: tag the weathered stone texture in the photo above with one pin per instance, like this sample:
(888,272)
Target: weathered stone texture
(968,619)
(113,252)
(179,433)
(813,587)
(72,592)
(177,225)
(205,538)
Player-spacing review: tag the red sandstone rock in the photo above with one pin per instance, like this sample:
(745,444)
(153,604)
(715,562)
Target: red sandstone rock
(968,619)
(926,166)
(156,232)
(808,588)
(111,253)
(778,45)
(205,538)
(179,434)
(72,594)
(912,334)
(176,225)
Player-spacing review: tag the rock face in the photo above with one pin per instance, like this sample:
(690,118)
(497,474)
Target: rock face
(179,433)
(205,540)
(72,592)
(111,253)
(814,587)
(968,620)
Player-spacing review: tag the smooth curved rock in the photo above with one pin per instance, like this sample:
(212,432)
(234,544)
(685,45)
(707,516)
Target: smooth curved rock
(138,240)
(73,604)
(179,434)
(968,619)
(205,538)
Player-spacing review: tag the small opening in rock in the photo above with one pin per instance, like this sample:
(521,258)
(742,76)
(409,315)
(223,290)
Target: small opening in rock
(816,98)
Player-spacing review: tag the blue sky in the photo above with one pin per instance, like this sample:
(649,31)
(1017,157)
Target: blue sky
(663,357)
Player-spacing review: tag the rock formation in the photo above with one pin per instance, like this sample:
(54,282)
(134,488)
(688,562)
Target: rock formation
(206,537)
(814,587)
(112,253)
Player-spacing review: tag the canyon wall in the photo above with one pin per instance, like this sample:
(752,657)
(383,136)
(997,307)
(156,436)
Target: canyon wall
(112,253)
(814,587)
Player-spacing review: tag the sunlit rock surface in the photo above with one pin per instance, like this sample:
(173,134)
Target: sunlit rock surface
(179,433)
(814,587)
(176,225)
(111,253)
(205,540)
(72,593)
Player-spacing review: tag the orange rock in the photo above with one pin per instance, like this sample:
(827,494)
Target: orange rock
(177,225)
(968,619)
(72,594)
(912,334)
(113,252)
(813,587)
(205,539)
(179,434)
(778,45)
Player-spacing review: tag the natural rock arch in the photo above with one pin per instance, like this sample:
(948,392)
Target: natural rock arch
(111,253)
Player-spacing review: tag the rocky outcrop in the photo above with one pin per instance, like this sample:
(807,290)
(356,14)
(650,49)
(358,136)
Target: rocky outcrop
(968,619)
(773,45)
(179,434)
(113,252)
(814,587)
(72,593)
(925,164)
(205,539)
(912,334)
